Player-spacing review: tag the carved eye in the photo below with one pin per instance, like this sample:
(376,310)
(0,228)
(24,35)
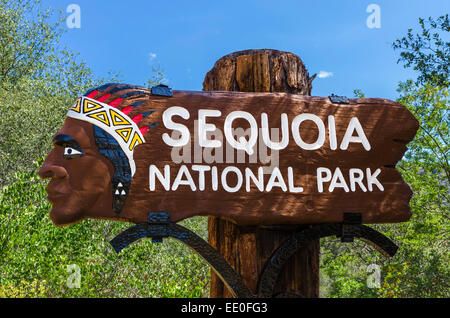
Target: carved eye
(72,153)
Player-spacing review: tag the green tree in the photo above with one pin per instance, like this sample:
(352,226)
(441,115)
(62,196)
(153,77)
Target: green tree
(29,48)
(427,52)
(34,254)
(25,41)
(423,270)
(158,76)
(420,267)
(38,80)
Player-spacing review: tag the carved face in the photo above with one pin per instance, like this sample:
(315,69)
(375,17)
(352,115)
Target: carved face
(80,184)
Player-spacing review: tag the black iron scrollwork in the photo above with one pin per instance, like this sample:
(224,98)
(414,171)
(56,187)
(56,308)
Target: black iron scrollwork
(159,227)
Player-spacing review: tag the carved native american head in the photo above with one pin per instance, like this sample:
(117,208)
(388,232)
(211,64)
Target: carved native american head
(91,165)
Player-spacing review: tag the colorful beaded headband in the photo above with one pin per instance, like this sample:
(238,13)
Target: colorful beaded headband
(121,127)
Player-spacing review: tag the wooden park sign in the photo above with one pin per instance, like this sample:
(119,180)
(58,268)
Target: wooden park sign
(253,158)
(256,163)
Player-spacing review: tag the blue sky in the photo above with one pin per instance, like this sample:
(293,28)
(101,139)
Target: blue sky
(186,38)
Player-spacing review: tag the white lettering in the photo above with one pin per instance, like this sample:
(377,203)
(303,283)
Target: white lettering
(348,137)
(321,179)
(201,175)
(258,182)
(284,132)
(276,175)
(224,179)
(168,123)
(338,181)
(296,133)
(332,132)
(292,188)
(372,179)
(179,181)
(242,144)
(356,180)
(203,127)
(165,180)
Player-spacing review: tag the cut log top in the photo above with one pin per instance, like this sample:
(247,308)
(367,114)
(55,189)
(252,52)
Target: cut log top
(259,71)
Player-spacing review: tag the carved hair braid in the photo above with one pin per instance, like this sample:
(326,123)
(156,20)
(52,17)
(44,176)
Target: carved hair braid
(127,99)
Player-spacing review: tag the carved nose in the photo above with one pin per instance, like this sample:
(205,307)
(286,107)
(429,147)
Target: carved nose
(50,170)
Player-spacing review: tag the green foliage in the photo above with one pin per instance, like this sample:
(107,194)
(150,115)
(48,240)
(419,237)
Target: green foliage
(358,93)
(29,49)
(426,51)
(38,80)
(27,38)
(34,254)
(30,116)
(420,267)
(157,77)
(426,165)
(423,270)
(344,269)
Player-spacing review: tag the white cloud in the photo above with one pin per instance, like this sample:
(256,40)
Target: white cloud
(151,56)
(324,74)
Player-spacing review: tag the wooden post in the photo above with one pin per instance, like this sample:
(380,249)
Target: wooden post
(247,249)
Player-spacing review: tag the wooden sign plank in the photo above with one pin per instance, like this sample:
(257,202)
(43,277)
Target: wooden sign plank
(352,174)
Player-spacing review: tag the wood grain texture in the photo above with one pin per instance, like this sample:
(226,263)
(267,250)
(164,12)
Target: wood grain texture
(250,251)
(387,125)
(259,71)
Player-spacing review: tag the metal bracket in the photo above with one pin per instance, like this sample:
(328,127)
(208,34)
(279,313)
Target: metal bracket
(338,99)
(289,247)
(350,227)
(162,90)
(160,226)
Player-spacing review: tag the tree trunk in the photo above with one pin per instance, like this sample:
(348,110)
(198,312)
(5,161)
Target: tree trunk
(247,249)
